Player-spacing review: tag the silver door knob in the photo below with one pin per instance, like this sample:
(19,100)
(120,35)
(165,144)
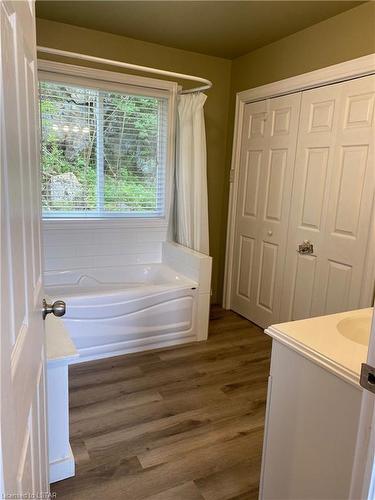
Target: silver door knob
(58,308)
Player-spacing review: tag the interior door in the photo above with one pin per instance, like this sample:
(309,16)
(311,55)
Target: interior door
(332,201)
(23,410)
(268,146)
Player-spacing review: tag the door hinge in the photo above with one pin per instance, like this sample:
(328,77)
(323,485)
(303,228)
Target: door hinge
(231,175)
(367,380)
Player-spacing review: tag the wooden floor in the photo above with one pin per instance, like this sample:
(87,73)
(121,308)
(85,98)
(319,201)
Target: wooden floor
(178,424)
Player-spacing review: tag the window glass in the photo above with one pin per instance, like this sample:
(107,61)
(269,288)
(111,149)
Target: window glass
(103,153)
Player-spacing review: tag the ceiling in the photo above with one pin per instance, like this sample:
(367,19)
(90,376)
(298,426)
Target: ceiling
(218,28)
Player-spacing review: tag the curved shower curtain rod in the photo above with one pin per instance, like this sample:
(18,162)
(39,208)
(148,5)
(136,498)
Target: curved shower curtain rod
(75,55)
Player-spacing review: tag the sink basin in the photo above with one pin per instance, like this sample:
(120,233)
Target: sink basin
(356,328)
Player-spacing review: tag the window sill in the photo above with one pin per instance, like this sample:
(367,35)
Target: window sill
(93,223)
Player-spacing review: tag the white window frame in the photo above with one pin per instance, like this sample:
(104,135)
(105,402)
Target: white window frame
(108,80)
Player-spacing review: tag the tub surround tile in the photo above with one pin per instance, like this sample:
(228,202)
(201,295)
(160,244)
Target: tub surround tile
(72,247)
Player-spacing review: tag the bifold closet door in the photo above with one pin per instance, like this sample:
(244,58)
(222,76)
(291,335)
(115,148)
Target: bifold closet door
(267,157)
(332,200)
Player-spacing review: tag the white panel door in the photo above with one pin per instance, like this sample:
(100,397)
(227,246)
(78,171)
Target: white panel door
(265,181)
(332,200)
(23,420)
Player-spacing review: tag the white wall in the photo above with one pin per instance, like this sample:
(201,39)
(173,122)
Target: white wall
(89,243)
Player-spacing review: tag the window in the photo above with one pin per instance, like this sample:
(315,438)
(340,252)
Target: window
(103,151)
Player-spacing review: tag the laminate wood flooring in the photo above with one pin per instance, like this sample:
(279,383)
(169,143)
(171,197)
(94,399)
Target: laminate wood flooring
(184,423)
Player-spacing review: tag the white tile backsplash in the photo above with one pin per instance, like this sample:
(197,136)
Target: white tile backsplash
(77,247)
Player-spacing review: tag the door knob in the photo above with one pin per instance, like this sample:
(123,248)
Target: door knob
(270,233)
(58,308)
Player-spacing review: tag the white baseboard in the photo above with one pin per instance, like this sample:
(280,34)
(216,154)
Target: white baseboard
(62,469)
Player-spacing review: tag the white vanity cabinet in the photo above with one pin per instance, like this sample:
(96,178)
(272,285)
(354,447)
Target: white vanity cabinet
(60,352)
(313,407)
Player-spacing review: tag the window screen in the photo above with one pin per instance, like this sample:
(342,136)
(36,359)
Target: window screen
(103,152)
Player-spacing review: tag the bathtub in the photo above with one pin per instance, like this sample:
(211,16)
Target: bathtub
(122,309)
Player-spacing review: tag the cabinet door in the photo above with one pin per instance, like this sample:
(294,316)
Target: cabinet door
(311,429)
(268,146)
(332,200)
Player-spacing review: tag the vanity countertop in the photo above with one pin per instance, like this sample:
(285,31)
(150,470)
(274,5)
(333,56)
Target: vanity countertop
(337,342)
(60,347)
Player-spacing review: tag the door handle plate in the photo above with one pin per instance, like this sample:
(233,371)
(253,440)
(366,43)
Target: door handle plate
(306,248)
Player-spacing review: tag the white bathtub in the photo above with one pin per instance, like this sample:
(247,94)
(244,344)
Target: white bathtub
(116,310)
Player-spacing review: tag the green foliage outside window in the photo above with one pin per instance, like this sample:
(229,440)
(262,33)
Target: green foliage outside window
(99,147)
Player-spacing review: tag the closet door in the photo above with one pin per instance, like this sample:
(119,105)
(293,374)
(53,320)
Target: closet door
(265,180)
(332,200)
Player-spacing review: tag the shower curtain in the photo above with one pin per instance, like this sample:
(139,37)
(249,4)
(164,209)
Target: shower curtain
(191,205)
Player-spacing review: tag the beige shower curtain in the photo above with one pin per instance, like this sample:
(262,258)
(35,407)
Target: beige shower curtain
(191,205)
